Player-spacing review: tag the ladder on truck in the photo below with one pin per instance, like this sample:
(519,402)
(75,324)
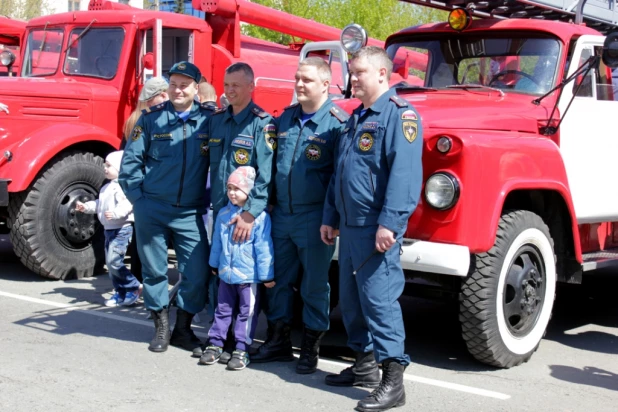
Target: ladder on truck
(600,15)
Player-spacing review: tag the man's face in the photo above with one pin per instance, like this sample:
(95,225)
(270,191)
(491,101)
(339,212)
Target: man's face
(365,78)
(182,91)
(308,86)
(237,88)
(158,99)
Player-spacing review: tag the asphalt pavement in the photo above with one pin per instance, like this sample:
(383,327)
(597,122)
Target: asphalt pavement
(62,350)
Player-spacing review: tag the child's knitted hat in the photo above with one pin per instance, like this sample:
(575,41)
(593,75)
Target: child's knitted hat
(114,159)
(243,178)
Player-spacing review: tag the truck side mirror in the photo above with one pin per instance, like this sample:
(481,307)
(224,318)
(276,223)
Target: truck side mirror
(148,61)
(610,50)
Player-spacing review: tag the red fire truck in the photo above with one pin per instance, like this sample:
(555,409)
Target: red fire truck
(11,31)
(517,108)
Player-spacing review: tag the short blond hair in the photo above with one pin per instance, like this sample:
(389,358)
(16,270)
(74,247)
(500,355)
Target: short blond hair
(377,57)
(206,92)
(320,64)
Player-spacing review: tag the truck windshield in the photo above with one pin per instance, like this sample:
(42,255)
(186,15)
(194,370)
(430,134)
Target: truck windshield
(523,64)
(95,53)
(42,55)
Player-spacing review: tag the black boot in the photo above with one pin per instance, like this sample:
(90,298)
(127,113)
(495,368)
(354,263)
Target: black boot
(364,372)
(391,392)
(278,346)
(161,339)
(182,335)
(309,351)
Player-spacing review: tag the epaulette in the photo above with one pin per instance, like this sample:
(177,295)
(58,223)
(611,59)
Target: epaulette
(219,111)
(399,101)
(156,108)
(291,106)
(259,112)
(209,106)
(339,114)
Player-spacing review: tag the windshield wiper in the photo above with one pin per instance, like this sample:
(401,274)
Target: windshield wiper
(38,59)
(474,86)
(80,35)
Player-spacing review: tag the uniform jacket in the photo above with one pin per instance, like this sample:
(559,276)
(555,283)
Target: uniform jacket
(378,175)
(248,262)
(111,199)
(247,139)
(166,158)
(305,156)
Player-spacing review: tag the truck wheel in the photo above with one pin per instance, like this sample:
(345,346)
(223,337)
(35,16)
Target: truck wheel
(506,301)
(48,235)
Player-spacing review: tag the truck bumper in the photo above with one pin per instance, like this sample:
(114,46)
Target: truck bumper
(431,257)
(4,192)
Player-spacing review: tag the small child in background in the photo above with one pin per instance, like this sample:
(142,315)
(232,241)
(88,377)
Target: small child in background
(115,213)
(240,267)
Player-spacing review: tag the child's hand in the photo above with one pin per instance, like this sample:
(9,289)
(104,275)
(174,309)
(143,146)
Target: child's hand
(270,284)
(79,206)
(109,215)
(215,272)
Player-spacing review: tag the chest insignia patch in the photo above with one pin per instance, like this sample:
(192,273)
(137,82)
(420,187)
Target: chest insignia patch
(241,156)
(365,142)
(409,130)
(137,133)
(370,126)
(313,152)
(204,148)
(409,115)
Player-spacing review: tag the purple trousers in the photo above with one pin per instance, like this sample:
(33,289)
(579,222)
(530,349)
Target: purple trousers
(242,301)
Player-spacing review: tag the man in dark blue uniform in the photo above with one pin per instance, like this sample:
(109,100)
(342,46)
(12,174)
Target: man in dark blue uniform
(242,134)
(163,174)
(308,132)
(375,188)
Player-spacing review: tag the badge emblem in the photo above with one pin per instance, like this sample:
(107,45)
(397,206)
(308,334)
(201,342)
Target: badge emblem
(409,115)
(365,142)
(204,148)
(182,66)
(137,133)
(409,130)
(241,156)
(270,134)
(313,152)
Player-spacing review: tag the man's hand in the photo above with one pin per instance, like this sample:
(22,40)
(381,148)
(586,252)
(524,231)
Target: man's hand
(270,284)
(244,224)
(328,234)
(4,108)
(385,239)
(109,215)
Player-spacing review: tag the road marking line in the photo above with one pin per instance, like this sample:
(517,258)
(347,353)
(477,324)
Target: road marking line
(407,376)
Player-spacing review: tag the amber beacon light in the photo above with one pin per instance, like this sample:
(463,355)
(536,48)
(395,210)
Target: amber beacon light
(459,19)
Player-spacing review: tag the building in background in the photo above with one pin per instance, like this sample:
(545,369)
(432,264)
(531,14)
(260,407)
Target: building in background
(61,6)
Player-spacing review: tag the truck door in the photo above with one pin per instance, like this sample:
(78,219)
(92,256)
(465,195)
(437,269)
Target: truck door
(588,141)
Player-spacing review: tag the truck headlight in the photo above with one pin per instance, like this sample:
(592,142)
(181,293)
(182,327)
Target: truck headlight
(442,190)
(353,37)
(7,58)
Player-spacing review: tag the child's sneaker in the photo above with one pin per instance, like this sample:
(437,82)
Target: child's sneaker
(115,300)
(211,355)
(239,361)
(130,298)
(225,358)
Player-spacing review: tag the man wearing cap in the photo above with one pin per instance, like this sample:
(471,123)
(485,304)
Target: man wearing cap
(154,91)
(163,174)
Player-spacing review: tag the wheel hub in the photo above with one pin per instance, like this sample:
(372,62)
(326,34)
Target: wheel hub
(72,228)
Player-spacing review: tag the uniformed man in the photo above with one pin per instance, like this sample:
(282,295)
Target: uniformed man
(308,132)
(375,188)
(163,174)
(242,134)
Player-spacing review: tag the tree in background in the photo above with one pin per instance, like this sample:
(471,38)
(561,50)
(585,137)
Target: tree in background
(179,6)
(379,17)
(25,9)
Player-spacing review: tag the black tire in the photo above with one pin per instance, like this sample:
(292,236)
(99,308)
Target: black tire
(44,221)
(506,301)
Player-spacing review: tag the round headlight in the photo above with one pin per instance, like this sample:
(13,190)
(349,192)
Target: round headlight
(444,144)
(7,58)
(442,191)
(353,37)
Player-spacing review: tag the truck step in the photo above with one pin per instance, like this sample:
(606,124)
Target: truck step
(599,260)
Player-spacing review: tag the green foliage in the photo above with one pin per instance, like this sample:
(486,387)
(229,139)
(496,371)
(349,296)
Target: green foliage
(179,6)
(25,9)
(380,18)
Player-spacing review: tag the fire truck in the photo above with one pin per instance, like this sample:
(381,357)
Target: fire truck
(80,77)
(11,31)
(517,104)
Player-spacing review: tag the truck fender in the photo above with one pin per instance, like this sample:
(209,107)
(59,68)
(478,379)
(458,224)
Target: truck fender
(31,154)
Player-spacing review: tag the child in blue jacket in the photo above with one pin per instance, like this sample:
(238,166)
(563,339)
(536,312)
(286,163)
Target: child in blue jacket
(240,266)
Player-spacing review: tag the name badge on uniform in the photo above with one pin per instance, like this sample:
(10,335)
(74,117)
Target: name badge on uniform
(242,142)
(370,126)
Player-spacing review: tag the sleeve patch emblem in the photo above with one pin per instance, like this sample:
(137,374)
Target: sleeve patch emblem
(137,133)
(409,115)
(241,156)
(365,142)
(271,140)
(313,152)
(409,130)
(204,148)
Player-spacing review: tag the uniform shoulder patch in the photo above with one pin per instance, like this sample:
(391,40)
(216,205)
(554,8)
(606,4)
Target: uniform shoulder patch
(399,101)
(339,114)
(155,108)
(259,112)
(291,106)
(219,111)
